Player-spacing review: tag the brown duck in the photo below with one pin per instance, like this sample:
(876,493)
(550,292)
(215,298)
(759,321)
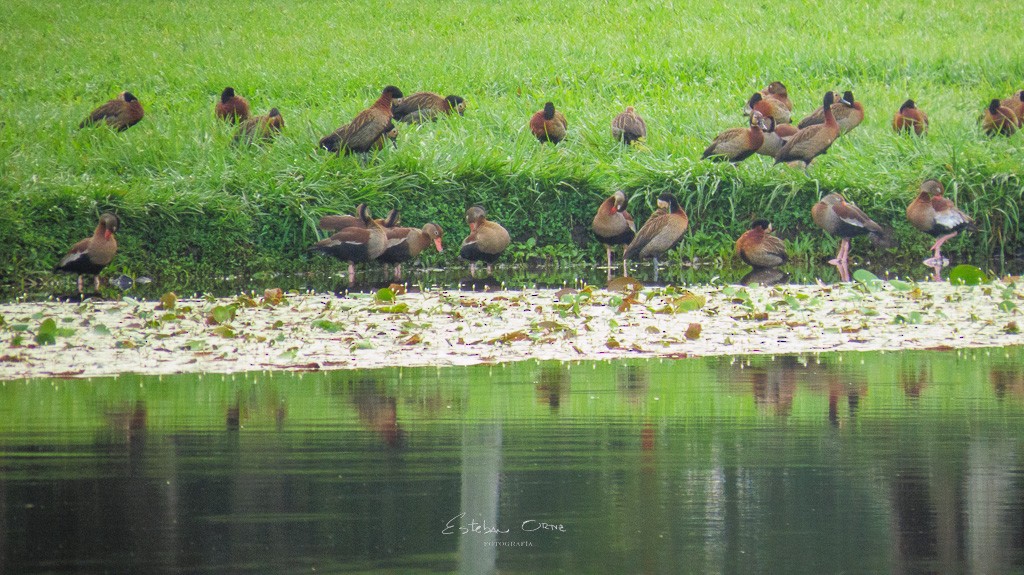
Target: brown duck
(614,226)
(260,128)
(628,126)
(769,108)
(811,142)
(340,222)
(758,248)
(91,255)
(999,119)
(936,215)
(848,113)
(405,244)
(775,137)
(738,144)
(355,244)
(486,241)
(548,125)
(121,113)
(844,220)
(1016,105)
(660,233)
(363,132)
(426,106)
(774,91)
(232,107)
(910,118)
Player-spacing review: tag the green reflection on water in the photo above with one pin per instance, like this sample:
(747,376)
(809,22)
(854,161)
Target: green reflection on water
(861,461)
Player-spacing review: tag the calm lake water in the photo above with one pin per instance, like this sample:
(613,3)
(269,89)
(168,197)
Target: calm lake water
(862,463)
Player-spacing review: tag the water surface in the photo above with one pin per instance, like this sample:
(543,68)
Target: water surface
(899,462)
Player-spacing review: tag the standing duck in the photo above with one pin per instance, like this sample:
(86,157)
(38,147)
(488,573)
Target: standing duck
(121,113)
(628,126)
(614,226)
(774,91)
(91,255)
(759,249)
(232,107)
(848,113)
(1016,105)
(426,106)
(934,214)
(486,241)
(362,133)
(811,142)
(548,125)
(775,137)
(340,222)
(844,220)
(910,118)
(660,233)
(769,108)
(405,244)
(999,119)
(354,244)
(738,144)
(260,128)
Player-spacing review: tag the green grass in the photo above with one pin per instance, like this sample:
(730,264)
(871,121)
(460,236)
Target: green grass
(191,204)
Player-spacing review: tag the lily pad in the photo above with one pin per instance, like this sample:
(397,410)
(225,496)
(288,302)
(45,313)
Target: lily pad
(965,274)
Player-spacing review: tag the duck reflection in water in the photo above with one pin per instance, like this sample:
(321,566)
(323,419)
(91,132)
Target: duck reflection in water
(765,277)
(552,382)
(853,393)
(914,382)
(378,413)
(633,382)
(1007,381)
(129,421)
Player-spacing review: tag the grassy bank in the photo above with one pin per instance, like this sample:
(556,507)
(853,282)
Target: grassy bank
(193,205)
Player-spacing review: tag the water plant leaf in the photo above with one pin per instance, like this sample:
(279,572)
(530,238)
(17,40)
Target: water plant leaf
(900,285)
(384,295)
(966,274)
(101,329)
(168,301)
(220,314)
(693,331)
(47,332)
(328,325)
(690,302)
(273,296)
(224,331)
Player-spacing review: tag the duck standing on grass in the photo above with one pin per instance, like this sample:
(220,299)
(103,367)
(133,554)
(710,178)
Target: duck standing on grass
(613,226)
(628,126)
(548,125)
(738,144)
(844,220)
(775,91)
(1015,104)
(660,233)
(336,223)
(759,249)
(769,108)
(363,132)
(486,241)
(847,112)
(121,113)
(812,141)
(775,137)
(355,244)
(91,255)
(934,214)
(910,118)
(998,119)
(405,244)
(232,107)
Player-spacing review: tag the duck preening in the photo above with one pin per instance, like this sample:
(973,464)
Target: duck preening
(999,119)
(355,244)
(614,226)
(775,137)
(738,144)
(366,129)
(121,113)
(260,128)
(486,240)
(846,221)
(92,254)
(232,107)
(628,126)
(660,233)
(934,214)
(336,223)
(812,141)
(405,244)
(910,118)
(426,106)
(758,248)
(548,125)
